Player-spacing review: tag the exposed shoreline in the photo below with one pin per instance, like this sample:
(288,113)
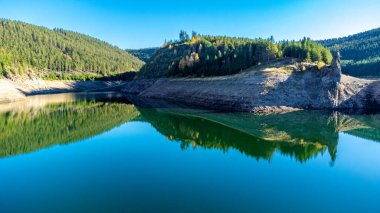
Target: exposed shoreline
(18,90)
(265,90)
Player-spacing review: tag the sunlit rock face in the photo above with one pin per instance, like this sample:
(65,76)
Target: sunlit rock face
(272,88)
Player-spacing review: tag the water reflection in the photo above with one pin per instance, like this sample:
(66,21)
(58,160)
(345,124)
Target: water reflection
(43,121)
(301,134)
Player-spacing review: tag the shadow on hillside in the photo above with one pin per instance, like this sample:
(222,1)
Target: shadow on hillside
(368,99)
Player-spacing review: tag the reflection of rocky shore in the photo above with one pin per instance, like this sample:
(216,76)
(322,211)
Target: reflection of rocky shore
(371,128)
(300,134)
(197,131)
(43,121)
(40,101)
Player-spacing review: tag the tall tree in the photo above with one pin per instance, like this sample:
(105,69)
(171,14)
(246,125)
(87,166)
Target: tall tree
(183,36)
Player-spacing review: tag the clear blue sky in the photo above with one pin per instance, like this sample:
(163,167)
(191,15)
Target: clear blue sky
(146,23)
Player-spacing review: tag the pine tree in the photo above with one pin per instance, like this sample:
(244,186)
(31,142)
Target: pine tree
(183,36)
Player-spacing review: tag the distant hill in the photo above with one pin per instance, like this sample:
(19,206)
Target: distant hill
(221,55)
(360,53)
(58,53)
(143,54)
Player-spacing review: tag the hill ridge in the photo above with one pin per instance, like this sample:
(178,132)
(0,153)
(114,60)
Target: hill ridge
(360,52)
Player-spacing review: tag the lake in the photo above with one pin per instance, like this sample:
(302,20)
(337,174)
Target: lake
(104,152)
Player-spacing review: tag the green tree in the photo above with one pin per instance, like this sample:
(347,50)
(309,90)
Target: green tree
(183,36)
(194,34)
(221,55)
(59,53)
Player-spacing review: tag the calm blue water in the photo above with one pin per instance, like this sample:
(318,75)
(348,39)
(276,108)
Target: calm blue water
(177,160)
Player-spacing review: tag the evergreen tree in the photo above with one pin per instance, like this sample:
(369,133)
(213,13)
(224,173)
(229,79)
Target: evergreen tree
(59,54)
(360,53)
(183,36)
(221,55)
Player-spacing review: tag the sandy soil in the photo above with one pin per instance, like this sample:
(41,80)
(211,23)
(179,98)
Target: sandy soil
(8,92)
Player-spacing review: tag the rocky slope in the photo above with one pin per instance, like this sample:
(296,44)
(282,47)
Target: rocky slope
(280,86)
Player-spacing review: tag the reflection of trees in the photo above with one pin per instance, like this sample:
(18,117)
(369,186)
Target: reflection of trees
(301,134)
(221,133)
(26,131)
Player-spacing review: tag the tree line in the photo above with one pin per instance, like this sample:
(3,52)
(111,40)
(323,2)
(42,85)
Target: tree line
(205,55)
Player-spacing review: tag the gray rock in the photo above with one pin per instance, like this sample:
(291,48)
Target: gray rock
(266,89)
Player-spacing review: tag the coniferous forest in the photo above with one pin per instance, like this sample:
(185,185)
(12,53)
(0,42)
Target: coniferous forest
(62,54)
(200,55)
(360,53)
(59,54)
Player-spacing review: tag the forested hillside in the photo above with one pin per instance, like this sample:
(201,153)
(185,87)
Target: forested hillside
(143,54)
(59,54)
(217,55)
(360,53)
